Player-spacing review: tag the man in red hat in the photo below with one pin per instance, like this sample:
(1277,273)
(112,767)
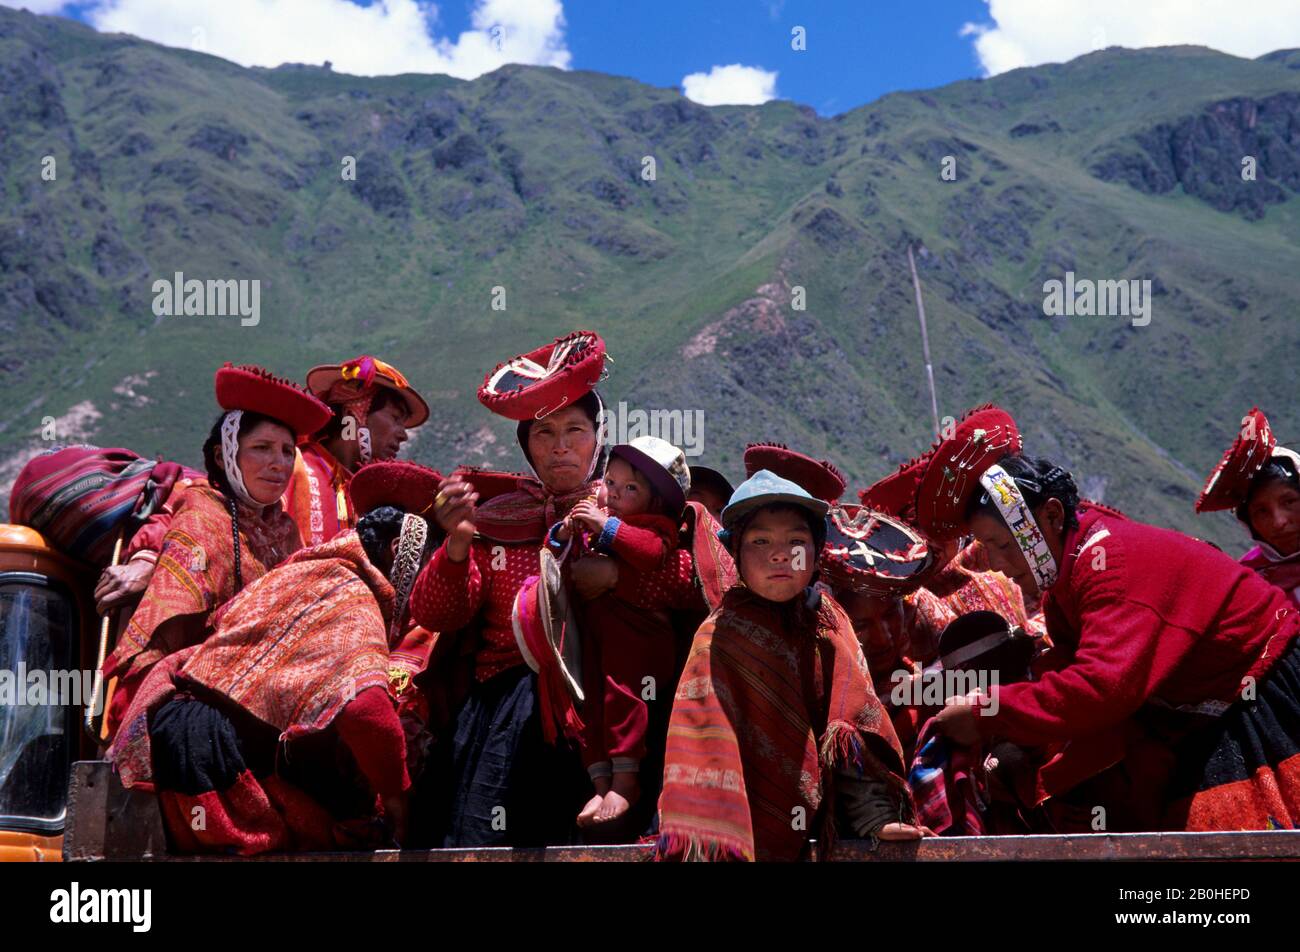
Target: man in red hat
(301,658)
(373,409)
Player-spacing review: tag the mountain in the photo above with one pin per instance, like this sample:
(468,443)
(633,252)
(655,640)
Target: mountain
(1118,165)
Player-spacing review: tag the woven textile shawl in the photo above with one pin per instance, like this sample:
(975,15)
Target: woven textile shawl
(774,699)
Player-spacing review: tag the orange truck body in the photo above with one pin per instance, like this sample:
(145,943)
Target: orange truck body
(26,558)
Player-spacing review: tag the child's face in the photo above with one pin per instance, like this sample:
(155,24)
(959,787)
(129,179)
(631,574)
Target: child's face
(627,492)
(776,554)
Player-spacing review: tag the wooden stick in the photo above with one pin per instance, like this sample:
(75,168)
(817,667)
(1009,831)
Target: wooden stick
(104,627)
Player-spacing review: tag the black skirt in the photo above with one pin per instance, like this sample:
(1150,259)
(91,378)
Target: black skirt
(494,780)
(1243,772)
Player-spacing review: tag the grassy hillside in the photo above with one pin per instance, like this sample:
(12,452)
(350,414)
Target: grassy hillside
(1120,164)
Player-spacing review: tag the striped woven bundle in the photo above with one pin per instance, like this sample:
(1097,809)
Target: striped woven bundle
(78,496)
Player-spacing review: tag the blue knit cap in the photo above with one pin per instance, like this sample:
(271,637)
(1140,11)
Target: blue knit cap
(765,488)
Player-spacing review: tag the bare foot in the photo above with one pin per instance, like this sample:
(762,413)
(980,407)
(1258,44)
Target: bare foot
(624,792)
(587,816)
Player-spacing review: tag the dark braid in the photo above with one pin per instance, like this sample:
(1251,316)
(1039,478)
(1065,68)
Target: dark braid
(234,532)
(1039,480)
(377,529)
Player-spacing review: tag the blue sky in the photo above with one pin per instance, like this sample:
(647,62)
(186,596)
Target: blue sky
(719,51)
(856,52)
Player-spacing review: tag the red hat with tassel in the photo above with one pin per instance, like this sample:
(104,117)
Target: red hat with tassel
(538,383)
(983,436)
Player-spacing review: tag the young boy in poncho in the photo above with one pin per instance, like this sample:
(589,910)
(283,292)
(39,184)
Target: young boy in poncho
(776,734)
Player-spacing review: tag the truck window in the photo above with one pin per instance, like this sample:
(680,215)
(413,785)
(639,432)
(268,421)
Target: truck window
(40,691)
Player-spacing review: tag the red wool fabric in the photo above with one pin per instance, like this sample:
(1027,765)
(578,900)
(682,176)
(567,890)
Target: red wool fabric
(624,644)
(450,595)
(1142,616)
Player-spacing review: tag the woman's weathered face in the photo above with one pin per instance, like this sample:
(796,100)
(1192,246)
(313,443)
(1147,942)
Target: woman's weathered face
(777,559)
(1274,514)
(266,460)
(562,446)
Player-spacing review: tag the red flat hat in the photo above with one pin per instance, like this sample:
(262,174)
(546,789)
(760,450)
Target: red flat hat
(818,477)
(260,391)
(542,381)
(1229,484)
(895,495)
(400,483)
(873,553)
(984,436)
(489,483)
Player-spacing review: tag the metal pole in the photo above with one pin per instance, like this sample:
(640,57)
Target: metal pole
(925,340)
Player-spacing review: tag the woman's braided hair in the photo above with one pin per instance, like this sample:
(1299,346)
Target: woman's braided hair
(1039,480)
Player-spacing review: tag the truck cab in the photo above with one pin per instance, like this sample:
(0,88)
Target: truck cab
(47,626)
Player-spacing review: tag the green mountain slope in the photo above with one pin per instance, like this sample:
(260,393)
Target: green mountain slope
(1120,164)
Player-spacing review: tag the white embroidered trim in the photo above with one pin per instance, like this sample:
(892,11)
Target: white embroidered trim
(406,567)
(363,441)
(230,456)
(1004,492)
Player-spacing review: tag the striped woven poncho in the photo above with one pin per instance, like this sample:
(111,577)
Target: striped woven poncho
(775,699)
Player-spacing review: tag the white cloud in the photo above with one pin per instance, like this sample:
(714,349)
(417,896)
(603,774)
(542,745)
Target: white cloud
(733,85)
(389,36)
(1029,32)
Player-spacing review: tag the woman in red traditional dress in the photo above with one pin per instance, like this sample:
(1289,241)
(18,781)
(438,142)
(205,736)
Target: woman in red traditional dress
(500,781)
(222,535)
(280,731)
(1261,482)
(1169,658)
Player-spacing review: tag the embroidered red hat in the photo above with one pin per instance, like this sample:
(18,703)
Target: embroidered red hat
(896,493)
(873,553)
(821,478)
(1229,484)
(341,383)
(260,391)
(489,483)
(983,436)
(538,383)
(407,486)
